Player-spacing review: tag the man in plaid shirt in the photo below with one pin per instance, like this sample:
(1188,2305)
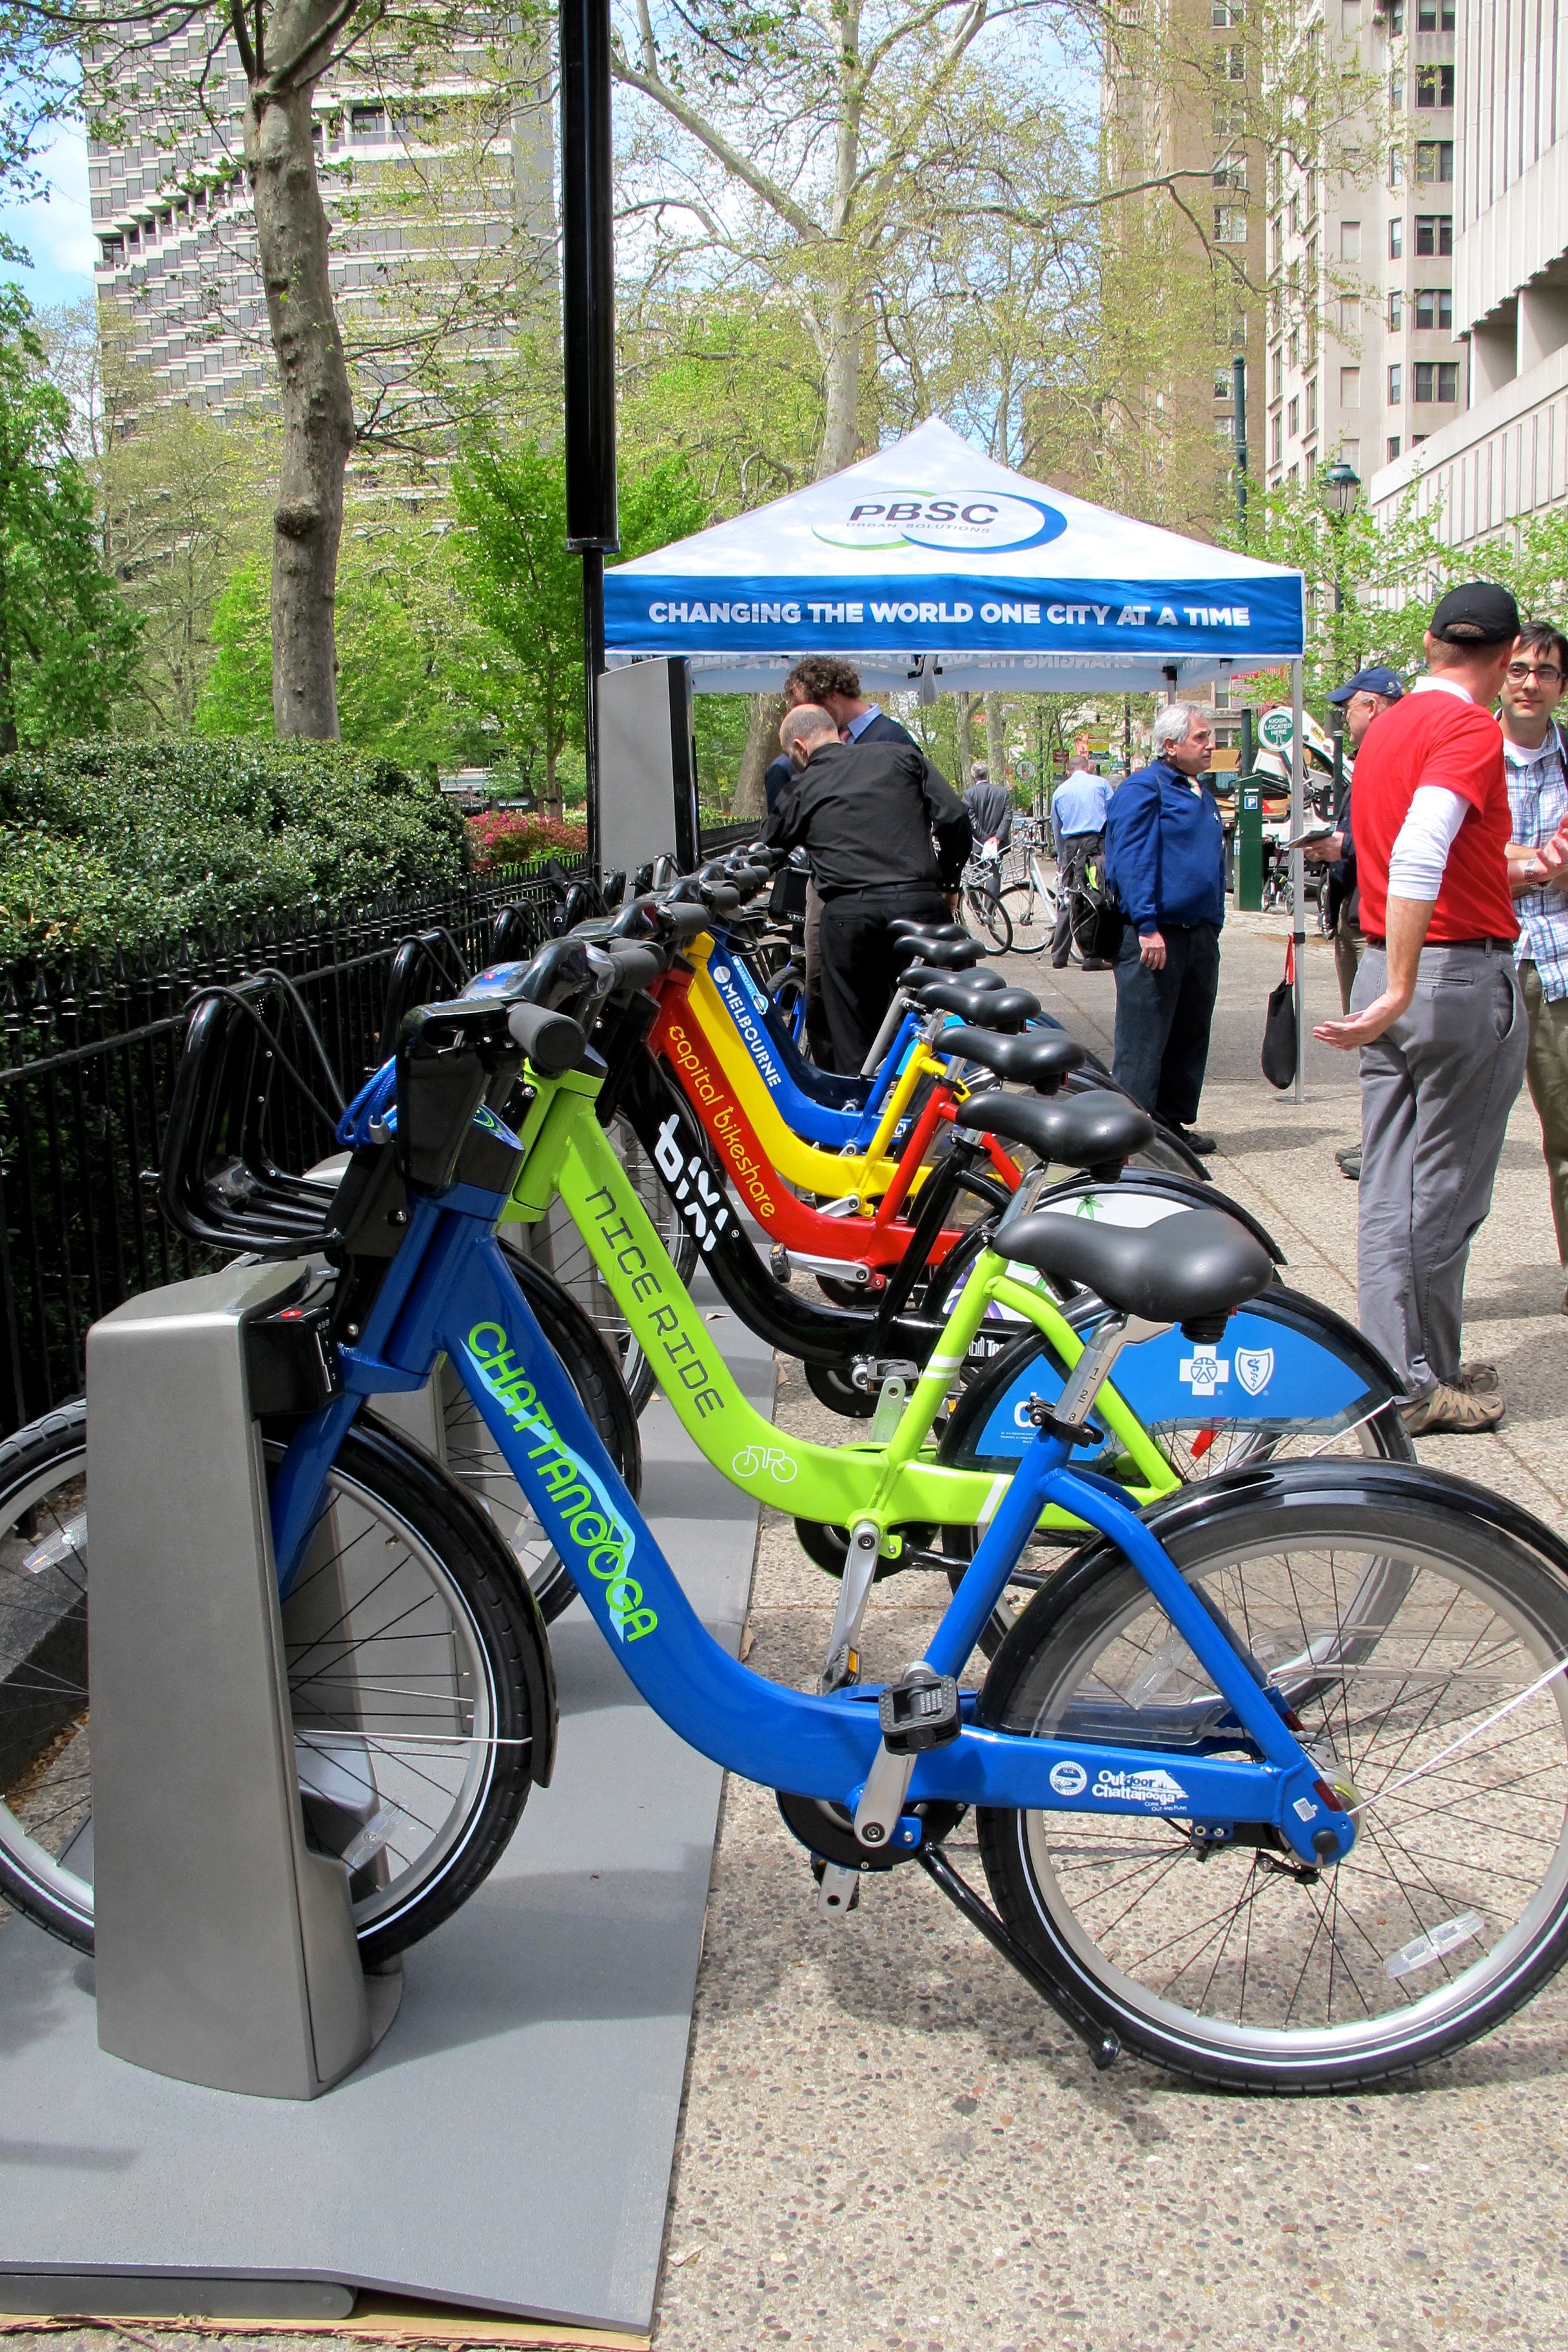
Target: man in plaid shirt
(1536,763)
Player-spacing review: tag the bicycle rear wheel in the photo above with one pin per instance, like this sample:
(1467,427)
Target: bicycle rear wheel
(1032,915)
(406,1637)
(985,919)
(1413,1634)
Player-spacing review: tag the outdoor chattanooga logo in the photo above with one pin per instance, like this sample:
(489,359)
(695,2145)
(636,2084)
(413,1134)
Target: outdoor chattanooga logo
(971,522)
(587,1520)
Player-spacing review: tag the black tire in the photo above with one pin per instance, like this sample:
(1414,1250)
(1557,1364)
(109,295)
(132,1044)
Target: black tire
(555,1243)
(985,919)
(477,1463)
(1368,1603)
(454,1590)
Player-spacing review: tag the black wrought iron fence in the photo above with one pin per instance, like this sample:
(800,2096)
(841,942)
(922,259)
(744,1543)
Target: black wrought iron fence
(88,1055)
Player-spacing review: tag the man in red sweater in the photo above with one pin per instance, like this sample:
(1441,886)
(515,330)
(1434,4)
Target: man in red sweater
(1435,1009)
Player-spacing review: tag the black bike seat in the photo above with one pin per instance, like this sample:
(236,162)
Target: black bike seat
(905,927)
(1193,1268)
(996,1008)
(1036,1057)
(961,989)
(944,955)
(1097,1131)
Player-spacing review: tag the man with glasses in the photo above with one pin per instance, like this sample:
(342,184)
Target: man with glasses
(1537,774)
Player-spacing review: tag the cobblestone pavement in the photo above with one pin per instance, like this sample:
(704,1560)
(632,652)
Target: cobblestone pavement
(889,2143)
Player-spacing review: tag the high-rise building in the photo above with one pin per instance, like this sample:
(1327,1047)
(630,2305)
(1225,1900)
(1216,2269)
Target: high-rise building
(423,192)
(1175,92)
(1502,455)
(1363,365)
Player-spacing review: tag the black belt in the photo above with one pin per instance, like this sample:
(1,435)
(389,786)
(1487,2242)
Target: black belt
(1499,947)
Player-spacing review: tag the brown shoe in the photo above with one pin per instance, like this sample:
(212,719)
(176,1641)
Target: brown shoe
(1448,1412)
(1479,1379)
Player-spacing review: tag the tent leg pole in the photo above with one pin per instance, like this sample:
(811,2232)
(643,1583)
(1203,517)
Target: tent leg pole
(1298,867)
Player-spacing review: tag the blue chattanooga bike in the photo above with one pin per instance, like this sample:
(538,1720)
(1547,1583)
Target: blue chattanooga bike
(1270,1784)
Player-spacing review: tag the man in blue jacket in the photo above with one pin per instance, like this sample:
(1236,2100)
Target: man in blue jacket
(1165,856)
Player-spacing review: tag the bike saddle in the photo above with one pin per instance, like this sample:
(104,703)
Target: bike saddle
(1036,1057)
(1004,1009)
(943,955)
(1097,1132)
(1194,1270)
(906,927)
(955,991)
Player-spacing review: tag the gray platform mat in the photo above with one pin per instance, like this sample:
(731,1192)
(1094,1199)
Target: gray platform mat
(509,2145)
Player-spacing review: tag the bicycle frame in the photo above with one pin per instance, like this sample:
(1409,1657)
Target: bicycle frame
(567,1154)
(448,1291)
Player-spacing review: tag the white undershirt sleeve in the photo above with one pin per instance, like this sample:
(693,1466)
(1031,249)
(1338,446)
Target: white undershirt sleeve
(1419,856)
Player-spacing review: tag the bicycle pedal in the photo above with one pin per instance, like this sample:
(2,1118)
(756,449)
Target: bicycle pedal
(837,1889)
(779,1265)
(919,1711)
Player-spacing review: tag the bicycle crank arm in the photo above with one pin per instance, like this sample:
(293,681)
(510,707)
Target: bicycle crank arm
(1103,2046)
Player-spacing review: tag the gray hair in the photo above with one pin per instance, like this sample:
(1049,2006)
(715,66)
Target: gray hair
(1174,723)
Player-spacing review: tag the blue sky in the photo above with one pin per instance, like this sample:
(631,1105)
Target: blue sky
(56,232)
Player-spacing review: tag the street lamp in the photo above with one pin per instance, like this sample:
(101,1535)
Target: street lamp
(1338,487)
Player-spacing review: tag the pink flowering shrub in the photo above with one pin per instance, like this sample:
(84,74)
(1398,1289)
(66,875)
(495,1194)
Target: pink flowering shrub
(504,837)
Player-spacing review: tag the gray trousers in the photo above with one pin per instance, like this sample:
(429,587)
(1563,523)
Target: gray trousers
(1435,1092)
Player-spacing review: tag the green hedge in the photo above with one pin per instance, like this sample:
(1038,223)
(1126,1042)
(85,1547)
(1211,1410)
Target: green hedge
(105,843)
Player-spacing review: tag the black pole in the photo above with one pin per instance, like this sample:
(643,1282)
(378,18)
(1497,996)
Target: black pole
(588,308)
(1238,402)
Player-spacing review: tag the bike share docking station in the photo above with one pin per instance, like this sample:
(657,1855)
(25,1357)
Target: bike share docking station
(223,2133)
(225,1947)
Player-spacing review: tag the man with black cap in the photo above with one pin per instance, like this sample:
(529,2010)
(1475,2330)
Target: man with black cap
(1436,1012)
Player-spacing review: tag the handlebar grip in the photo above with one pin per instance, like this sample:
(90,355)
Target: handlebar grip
(722,896)
(636,966)
(553,1040)
(682,921)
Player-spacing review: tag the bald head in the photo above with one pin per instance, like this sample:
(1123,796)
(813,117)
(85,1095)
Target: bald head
(801,730)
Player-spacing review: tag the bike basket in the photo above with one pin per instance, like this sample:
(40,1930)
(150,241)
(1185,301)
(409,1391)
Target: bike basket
(255,1097)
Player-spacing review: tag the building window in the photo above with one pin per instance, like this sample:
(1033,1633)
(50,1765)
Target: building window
(1433,159)
(1396,167)
(1435,307)
(1392,445)
(1396,387)
(1312,406)
(1349,387)
(1435,16)
(1434,85)
(1396,18)
(1396,240)
(1293,419)
(1294,476)
(1436,380)
(1224,429)
(1224,13)
(367,124)
(113,248)
(1279,370)
(1229,224)
(1350,240)
(1396,312)
(1221,381)
(1233,63)
(1229,115)
(1296,213)
(1396,93)
(1230,172)
(1417,438)
(1278,437)
(1434,234)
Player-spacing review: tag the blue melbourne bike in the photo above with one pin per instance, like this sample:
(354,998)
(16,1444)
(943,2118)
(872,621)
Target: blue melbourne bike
(1270,1783)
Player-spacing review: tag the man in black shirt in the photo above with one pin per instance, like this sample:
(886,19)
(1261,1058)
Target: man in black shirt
(865,814)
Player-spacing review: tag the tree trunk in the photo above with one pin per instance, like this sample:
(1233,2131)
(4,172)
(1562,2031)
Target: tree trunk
(841,419)
(996,739)
(318,410)
(555,808)
(762,747)
(961,705)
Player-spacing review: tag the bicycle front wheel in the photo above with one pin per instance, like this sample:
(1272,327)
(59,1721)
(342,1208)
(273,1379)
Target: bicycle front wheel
(1413,1634)
(1032,916)
(986,918)
(406,1636)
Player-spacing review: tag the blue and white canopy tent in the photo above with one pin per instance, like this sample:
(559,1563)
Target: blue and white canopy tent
(931,567)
